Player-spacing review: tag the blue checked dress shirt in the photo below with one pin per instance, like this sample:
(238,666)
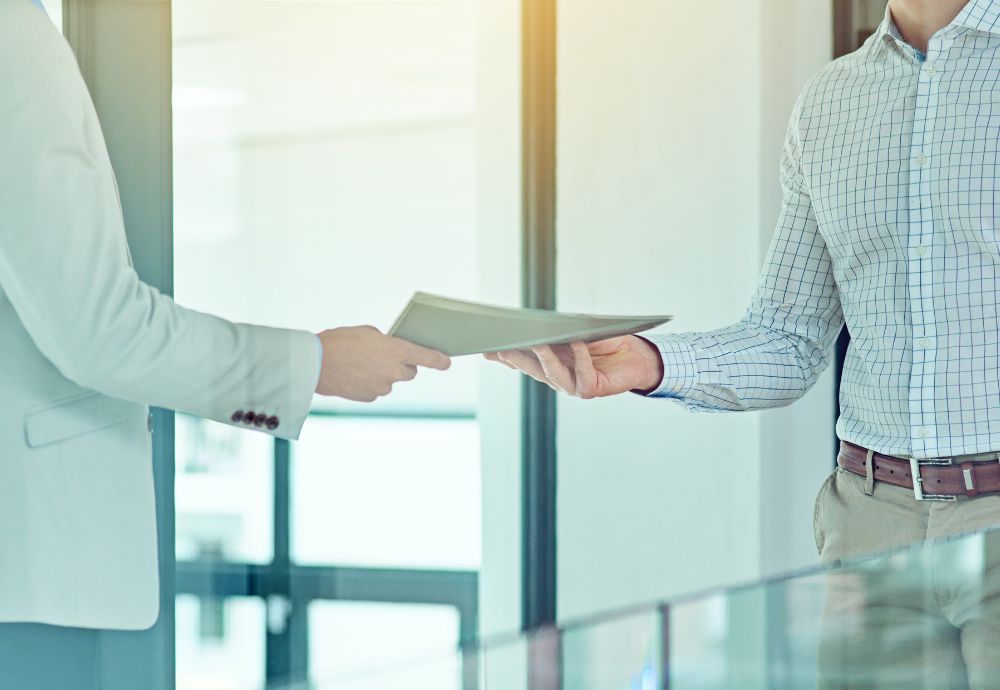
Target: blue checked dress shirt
(890,221)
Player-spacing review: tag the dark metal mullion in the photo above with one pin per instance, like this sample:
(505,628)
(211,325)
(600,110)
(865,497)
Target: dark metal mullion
(538,528)
(282,504)
(287,646)
(436,587)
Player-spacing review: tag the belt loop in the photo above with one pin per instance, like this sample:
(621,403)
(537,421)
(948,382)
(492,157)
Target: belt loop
(969,475)
(869,473)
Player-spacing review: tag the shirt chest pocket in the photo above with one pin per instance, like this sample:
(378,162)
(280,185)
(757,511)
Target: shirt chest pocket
(991,238)
(969,210)
(978,233)
(66,418)
(966,174)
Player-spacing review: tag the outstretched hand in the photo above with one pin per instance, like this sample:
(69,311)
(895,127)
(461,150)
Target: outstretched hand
(594,370)
(363,364)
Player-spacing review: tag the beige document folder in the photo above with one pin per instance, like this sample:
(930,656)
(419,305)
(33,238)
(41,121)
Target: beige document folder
(455,327)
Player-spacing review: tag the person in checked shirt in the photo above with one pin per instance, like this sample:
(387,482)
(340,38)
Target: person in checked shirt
(890,222)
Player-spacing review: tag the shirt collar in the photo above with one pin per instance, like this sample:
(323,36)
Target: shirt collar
(979,15)
(887,33)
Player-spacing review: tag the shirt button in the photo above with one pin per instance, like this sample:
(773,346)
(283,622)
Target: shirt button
(921,159)
(930,69)
(923,343)
(922,250)
(922,432)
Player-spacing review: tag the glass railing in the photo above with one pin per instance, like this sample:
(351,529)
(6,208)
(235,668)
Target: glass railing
(926,616)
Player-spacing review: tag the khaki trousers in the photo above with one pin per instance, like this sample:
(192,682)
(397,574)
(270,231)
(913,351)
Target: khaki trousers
(925,617)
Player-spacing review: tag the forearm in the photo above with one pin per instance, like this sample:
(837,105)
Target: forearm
(151,350)
(742,367)
(123,338)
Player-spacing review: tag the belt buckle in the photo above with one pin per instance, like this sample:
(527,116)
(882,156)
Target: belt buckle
(918,481)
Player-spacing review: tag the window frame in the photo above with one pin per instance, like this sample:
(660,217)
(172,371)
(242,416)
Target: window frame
(282,582)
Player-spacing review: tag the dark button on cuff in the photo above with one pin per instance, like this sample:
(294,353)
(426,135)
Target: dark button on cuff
(237,417)
(260,420)
(272,423)
(249,417)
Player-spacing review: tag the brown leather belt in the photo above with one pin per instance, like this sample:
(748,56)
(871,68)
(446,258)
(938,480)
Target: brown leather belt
(937,480)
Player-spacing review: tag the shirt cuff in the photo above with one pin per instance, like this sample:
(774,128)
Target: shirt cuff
(680,368)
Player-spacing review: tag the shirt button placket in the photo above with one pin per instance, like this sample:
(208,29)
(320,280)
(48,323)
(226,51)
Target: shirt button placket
(922,260)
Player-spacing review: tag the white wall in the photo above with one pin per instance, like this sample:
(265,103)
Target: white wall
(671,117)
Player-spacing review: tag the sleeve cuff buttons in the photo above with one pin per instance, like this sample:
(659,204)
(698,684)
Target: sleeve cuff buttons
(255,419)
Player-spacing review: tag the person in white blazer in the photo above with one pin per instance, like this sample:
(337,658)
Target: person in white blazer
(86,346)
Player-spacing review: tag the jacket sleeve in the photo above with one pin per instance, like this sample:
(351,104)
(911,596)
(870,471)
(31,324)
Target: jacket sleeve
(65,267)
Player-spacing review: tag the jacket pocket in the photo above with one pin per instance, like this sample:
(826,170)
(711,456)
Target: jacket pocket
(73,416)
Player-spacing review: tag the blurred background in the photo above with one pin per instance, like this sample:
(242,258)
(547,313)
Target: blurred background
(325,167)
(331,157)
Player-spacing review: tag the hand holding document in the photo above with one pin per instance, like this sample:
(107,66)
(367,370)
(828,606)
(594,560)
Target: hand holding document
(457,327)
(579,354)
(360,363)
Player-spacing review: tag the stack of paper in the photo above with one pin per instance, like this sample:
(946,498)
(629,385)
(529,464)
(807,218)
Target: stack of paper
(455,327)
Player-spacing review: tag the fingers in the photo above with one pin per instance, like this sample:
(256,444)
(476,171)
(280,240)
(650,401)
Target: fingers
(424,357)
(584,371)
(559,376)
(495,357)
(408,373)
(524,361)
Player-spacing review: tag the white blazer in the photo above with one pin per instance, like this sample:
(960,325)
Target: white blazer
(85,347)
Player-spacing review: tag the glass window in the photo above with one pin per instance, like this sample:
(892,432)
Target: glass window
(325,168)
(357,645)
(399,493)
(220,643)
(224,492)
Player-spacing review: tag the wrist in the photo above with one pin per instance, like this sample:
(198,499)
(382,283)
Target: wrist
(652,365)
